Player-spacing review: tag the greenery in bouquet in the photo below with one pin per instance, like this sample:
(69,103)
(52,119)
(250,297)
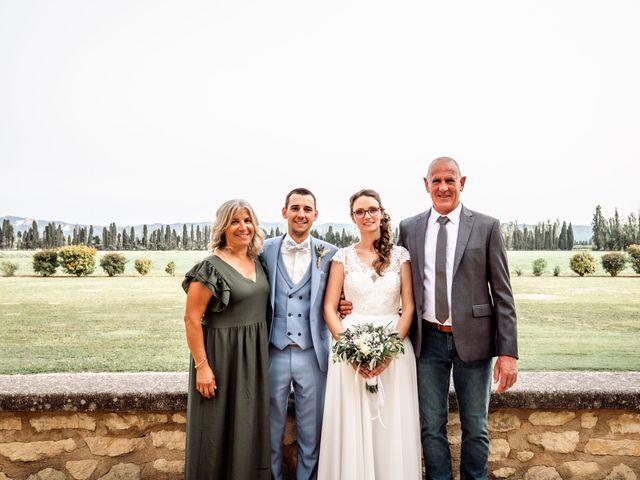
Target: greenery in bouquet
(366,345)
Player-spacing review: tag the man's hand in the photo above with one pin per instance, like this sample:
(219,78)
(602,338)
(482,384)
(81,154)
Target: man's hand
(345,307)
(505,373)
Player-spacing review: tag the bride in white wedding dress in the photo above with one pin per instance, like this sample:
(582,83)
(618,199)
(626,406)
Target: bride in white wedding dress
(362,439)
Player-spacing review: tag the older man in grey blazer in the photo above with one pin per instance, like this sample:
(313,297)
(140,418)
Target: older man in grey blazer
(465,315)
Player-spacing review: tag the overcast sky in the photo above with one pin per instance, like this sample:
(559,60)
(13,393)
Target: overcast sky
(158,111)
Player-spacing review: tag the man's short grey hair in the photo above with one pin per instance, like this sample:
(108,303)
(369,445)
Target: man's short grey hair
(443,159)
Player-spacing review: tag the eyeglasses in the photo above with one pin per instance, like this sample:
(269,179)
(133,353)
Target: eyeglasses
(372,211)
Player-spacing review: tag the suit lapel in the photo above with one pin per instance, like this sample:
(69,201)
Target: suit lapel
(420,235)
(464,232)
(315,272)
(271,257)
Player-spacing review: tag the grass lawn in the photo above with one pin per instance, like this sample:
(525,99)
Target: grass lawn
(134,323)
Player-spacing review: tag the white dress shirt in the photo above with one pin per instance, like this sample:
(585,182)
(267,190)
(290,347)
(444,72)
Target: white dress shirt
(429,306)
(296,260)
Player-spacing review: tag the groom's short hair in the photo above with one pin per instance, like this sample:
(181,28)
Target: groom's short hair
(299,191)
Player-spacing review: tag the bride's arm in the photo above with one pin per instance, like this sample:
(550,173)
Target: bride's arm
(408,304)
(332,298)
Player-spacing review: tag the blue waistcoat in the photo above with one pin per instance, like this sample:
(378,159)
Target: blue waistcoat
(291,308)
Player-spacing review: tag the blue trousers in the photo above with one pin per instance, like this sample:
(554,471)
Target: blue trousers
(472,383)
(298,369)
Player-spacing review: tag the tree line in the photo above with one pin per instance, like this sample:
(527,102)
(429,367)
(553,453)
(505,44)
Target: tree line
(614,233)
(193,237)
(111,238)
(543,236)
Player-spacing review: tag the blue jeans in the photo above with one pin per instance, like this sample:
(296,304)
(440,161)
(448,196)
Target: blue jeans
(472,383)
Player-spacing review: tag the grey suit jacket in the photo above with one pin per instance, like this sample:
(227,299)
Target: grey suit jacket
(482,308)
(320,334)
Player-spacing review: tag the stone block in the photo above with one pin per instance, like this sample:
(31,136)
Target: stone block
(558,442)
(588,420)
(125,421)
(58,422)
(601,446)
(290,434)
(551,419)
(10,423)
(503,422)
(171,439)
(542,473)
(81,469)
(48,474)
(525,455)
(4,477)
(179,418)
(625,423)
(579,470)
(113,446)
(454,439)
(123,471)
(621,472)
(454,419)
(33,451)
(167,466)
(504,472)
(498,449)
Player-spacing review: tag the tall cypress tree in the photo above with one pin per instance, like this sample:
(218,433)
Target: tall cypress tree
(570,239)
(599,229)
(132,238)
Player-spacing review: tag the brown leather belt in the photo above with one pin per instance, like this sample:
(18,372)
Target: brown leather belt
(439,327)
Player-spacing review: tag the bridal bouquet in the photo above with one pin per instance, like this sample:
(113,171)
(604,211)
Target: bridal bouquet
(367,346)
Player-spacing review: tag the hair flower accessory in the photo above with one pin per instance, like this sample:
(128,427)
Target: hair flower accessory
(321,251)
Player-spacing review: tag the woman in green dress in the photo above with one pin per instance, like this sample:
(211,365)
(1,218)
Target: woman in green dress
(227,334)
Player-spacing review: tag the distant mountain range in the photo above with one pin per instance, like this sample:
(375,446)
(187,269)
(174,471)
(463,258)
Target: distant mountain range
(581,233)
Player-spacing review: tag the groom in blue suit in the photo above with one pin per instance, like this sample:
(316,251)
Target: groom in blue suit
(298,267)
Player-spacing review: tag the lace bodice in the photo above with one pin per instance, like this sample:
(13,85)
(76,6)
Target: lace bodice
(370,293)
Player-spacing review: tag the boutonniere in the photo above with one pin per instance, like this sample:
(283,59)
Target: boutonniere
(321,251)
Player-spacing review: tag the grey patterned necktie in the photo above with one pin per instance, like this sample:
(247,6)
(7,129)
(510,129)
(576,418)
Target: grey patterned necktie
(442,301)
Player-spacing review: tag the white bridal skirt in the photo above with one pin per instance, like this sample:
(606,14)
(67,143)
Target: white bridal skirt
(371,436)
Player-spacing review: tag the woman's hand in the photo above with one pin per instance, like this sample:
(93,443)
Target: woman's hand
(363,371)
(380,368)
(206,381)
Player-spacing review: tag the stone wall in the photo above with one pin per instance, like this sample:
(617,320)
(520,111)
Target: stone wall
(132,426)
(105,445)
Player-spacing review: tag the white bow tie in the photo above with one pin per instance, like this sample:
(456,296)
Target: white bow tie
(291,246)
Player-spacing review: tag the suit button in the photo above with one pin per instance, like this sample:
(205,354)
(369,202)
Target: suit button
(300,297)
(290,314)
(299,334)
(290,296)
(299,314)
(288,333)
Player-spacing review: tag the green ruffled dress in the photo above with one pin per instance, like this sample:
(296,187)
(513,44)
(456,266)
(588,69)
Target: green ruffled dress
(228,435)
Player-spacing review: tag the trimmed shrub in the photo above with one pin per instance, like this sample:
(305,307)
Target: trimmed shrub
(143,265)
(113,263)
(77,259)
(556,271)
(517,270)
(539,265)
(583,263)
(45,262)
(8,268)
(613,263)
(171,268)
(634,257)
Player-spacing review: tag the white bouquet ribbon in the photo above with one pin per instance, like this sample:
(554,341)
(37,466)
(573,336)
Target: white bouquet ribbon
(374,397)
